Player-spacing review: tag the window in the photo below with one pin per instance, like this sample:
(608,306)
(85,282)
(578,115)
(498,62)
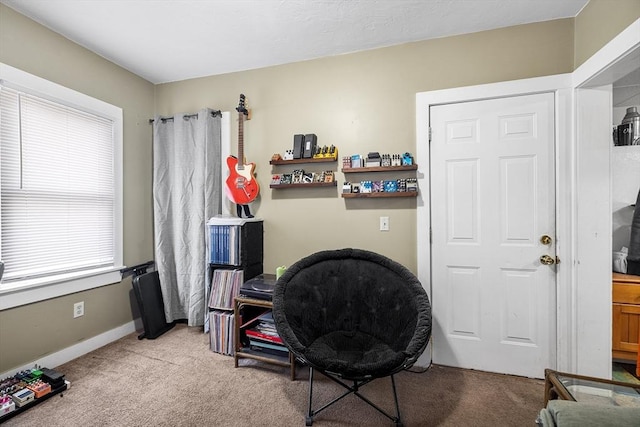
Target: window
(60,191)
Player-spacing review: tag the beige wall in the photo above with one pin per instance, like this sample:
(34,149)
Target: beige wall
(359,102)
(599,22)
(30,332)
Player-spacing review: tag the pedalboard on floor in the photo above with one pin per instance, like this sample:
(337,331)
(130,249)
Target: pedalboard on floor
(28,388)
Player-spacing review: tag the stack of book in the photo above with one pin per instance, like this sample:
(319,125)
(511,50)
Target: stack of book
(225,286)
(221,333)
(263,337)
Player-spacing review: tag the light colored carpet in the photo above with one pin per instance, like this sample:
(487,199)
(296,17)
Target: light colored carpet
(175,380)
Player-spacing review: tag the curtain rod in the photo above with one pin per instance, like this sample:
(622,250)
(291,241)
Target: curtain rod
(214,113)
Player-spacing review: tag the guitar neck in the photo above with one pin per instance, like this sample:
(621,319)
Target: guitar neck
(240,140)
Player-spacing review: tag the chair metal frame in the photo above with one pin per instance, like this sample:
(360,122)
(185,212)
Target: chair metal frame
(357,384)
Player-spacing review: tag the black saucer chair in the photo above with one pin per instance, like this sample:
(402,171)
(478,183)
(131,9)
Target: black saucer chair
(354,316)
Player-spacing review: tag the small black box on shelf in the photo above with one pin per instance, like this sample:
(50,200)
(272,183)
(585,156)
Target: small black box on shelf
(310,142)
(298,142)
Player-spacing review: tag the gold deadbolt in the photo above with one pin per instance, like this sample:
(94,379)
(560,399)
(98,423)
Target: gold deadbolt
(545,239)
(547,260)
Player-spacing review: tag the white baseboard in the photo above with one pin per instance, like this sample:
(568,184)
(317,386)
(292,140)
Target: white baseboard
(67,354)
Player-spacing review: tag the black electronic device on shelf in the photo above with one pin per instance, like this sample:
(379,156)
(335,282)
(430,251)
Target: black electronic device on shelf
(260,287)
(298,144)
(310,143)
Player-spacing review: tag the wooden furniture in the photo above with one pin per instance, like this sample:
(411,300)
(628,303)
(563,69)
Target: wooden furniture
(579,388)
(366,169)
(376,169)
(626,318)
(304,161)
(246,311)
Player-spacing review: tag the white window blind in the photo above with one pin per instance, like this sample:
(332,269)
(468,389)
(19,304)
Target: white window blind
(57,198)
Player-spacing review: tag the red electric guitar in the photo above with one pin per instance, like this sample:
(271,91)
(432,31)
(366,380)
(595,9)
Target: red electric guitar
(242,187)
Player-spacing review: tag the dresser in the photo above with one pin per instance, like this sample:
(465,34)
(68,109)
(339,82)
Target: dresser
(626,317)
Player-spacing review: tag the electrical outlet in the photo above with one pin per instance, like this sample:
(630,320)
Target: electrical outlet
(384,223)
(78,309)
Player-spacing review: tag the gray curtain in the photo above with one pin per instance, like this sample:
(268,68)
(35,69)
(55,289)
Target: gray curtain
(186,193)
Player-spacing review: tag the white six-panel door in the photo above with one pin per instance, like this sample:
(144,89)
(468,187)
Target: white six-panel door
(492,199)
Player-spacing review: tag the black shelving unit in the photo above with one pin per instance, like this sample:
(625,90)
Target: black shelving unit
(249,258)
(251,250)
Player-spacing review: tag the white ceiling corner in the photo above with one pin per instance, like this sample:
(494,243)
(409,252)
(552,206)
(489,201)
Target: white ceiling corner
(171,40)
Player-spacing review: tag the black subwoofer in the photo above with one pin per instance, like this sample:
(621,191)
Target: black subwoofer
(151,305)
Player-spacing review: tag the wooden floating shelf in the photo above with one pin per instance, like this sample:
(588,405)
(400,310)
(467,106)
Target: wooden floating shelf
(248,353)
(300,161)
(380,194)
(309,185)
(380,169)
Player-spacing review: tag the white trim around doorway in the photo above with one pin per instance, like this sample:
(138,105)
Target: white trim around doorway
(560,85)
(580,347)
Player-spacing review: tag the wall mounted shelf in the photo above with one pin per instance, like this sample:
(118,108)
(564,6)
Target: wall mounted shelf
(380,194)
(301,161)
(380,169)
(306,185)
(303,185)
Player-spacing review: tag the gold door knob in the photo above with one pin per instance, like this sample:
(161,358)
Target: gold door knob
(545,239)
(547,260)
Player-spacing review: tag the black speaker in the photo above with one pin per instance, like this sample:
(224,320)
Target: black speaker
(298,141)
(151,305)
(310,142)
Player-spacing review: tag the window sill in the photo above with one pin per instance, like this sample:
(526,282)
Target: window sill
(34,290)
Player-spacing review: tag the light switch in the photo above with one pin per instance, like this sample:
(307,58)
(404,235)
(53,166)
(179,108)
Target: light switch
(384,223)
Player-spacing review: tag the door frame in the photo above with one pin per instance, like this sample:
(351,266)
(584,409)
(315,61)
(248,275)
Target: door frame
(593,121)
(581,347)
(560,86)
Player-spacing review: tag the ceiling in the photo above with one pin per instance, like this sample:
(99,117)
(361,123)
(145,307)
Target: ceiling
(171,40)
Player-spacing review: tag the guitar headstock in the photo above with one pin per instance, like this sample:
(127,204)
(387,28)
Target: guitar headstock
(241,108)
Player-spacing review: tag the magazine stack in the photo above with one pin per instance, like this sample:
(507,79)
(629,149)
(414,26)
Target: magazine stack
(263,337)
